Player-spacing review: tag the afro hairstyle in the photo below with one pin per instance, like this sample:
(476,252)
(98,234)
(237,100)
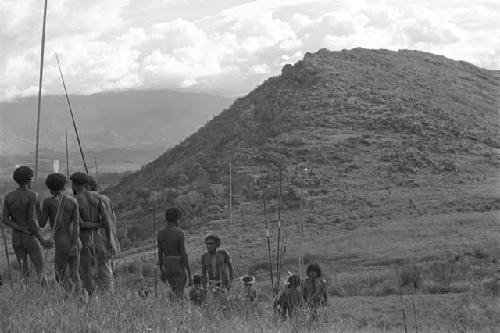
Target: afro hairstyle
(23,175)
(215,238)
(79,178)
(55,182)
(172,214)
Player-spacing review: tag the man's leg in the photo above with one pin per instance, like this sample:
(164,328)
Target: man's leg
(35,252)
(104,267)
(86,257)
(21,254)
(73,265)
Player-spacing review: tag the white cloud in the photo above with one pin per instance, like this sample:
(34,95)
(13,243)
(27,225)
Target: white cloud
(115,44)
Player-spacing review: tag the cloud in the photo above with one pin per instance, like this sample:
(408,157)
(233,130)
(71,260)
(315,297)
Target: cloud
(115,44)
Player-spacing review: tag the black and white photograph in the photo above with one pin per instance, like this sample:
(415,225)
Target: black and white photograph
(250,166)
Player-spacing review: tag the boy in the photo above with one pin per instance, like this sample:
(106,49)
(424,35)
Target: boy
(290,299)
(197,294)
(314,289)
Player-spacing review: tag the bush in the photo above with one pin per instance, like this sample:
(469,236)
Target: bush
(480,253)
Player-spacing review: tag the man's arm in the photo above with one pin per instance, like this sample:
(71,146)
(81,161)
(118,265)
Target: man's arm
(204,278)
(229,264)
(75,217)
(8,221)
(44,216)
(103,218)
(184,256)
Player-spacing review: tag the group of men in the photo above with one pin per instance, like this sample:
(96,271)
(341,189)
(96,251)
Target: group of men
(82,225)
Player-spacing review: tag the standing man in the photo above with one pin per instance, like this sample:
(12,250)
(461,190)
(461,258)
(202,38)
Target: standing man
(62,212)
(20,212)
(172,256)
(92,218)
(105,280)
(216,263)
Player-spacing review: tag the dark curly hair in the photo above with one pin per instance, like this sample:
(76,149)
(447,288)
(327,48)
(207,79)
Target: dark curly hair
(23,175)
(215,238)
(55,182)
(172,214)
(314,267)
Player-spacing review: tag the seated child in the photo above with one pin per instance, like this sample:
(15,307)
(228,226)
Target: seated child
(314,287)
(249,292)
(197,294)
(290,300)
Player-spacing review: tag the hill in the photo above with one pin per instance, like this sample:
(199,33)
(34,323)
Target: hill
(356,120)
(126,119)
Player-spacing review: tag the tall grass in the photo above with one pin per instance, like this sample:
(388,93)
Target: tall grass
(32,309)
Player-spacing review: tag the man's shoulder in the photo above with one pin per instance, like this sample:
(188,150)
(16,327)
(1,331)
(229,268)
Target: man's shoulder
(224,253)
(204,256)
(10,195)
(70,199)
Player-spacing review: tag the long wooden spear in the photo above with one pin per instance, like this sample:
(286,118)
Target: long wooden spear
(230,199)
(42,54)
(97,176)
(155,241)
(72,116)
(67,156)
(267,231)
(6,248)
(278,273)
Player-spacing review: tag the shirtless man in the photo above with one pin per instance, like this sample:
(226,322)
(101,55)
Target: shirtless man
(172,256)
(215,264)
(92,218)
(105,280)
(20,213)
(62,212)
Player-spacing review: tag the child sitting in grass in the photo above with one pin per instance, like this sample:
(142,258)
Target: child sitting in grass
(249,292)
(314,287)
(197,294)
(290,300)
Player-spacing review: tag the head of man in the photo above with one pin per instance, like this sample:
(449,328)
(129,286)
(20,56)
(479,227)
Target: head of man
(23,175)
(78,181)
(91,184)
(56,183)
(173,215)
(212,242)
(313,271)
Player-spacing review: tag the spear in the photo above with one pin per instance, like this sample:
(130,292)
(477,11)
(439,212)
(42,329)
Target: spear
(67,156)
(267,231)
(97,176)
(230,198)
(42,53)
(154,241)
(72,116)
(279,235)
(5,246)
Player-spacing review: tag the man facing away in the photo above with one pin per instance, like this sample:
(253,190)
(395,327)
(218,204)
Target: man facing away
(215,264)
(20,213)
(92,218)
(104,257)
(62,212)
(172,256)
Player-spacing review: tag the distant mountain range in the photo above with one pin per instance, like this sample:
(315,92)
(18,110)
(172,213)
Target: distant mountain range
(127,119)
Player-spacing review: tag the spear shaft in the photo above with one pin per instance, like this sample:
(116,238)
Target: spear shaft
(72,116)
(5,246)
(42,54)
(278,258)
(267,232)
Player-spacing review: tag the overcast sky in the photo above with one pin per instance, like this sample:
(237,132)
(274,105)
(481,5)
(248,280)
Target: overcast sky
(222,46)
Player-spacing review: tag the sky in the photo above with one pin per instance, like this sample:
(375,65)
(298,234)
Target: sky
(225,47)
